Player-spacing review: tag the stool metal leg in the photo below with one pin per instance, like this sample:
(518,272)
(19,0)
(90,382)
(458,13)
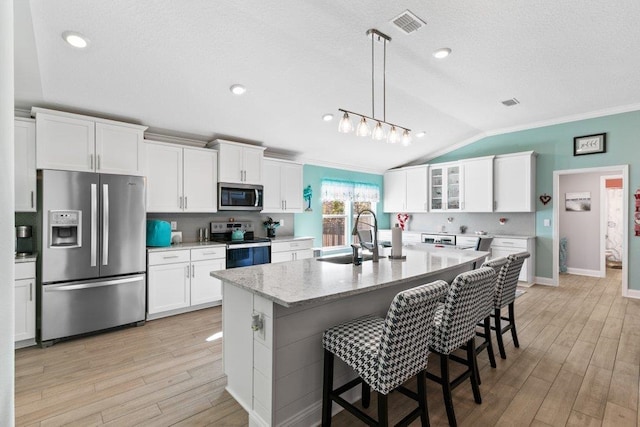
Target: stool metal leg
(498,327)
(512,320)
(327,388)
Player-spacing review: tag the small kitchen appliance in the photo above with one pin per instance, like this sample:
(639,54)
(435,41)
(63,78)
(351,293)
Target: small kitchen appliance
(243,248)
(239,197)
(24,242)
(439,239)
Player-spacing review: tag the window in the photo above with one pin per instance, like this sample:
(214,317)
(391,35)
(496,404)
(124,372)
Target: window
(341,202)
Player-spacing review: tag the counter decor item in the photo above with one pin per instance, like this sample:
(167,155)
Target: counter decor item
(403,218)
(306,195)
(158,233)
(545,198)
(270,225)
(396,243)
(636,215)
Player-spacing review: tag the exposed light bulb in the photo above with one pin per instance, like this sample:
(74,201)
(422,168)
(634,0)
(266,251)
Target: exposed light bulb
(76,40)
(363,128)
(406,138)
(421,134)
(327,117)
(238,89)
(394,135)
(378,132)
(345,125)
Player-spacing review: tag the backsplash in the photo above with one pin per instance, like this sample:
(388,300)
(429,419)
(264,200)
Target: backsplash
(189,223)
(516,223)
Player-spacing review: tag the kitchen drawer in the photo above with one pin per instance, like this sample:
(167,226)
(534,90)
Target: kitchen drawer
(293,245)
(467,241)
(169,257)
(25,270)
(510,242)
(214,252)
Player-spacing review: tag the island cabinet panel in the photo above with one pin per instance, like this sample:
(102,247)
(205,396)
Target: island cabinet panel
(291,250)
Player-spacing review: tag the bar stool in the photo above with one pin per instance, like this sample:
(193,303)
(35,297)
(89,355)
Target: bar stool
(505,295)
(384,353)
(455,326)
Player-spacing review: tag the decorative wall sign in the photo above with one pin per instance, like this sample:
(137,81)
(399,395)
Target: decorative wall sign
(577,202)
(590,144)
(307,193)
(545,198)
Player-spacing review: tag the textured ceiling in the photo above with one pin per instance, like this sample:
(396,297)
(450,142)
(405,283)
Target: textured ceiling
(168,64)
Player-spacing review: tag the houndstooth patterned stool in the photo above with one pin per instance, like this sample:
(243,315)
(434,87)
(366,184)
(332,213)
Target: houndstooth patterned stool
(455,326)
(505,295)
(384,353)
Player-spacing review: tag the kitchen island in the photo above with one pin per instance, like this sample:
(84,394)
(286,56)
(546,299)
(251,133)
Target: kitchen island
(274,316)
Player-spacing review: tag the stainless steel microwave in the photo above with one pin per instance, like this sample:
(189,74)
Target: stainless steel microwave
(239,197)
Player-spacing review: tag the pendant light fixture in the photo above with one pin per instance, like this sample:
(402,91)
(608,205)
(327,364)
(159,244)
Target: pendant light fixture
(396,133)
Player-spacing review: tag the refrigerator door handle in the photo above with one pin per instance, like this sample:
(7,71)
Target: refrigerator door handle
(76,286)
(105,224)
(94,224)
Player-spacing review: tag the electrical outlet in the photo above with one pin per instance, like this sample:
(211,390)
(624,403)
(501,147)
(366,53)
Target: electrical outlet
(281,222)
(174,225)
(547,222)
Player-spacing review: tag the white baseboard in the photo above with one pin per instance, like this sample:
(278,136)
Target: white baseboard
(584,272)
(632,293)
(156,316)
(311,415)
(545,281)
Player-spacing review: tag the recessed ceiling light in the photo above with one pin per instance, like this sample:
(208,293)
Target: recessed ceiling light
(327,117)
(75,39)
(238,89)
(442,53)
(420,134)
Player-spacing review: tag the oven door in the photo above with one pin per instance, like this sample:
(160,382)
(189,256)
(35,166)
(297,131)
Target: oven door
(244,255)
(239,197)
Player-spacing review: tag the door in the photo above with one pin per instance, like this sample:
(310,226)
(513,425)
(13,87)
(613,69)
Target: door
(395,188)
(25,166)
(65,143)
(230,163)
(70,191)
(291,184)
(272,187)
(169,287)
(25,309)
(123,227)
(417,191)
(164,178)
(252,161)
(478,185)
(436,189)
(200,180)
(454,190)
(205,288)
(118,149)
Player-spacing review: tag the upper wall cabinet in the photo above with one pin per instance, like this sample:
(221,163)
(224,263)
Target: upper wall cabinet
(181,179)
(238,163)
(514,180)
(282,186)
(405,190)
(25,165)
(477,184)
(446,187)
(74,142)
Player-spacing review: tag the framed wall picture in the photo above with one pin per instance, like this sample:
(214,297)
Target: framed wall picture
(590,144)
(577,202)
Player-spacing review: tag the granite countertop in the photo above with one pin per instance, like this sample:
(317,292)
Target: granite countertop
(184,245)
(29,258)
(307,281)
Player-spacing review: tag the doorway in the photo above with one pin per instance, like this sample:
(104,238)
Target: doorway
(622,171)
(611,234)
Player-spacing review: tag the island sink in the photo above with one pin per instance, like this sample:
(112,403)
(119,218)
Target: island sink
(343,259)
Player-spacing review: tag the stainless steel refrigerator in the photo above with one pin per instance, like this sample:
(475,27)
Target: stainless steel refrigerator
(91,244)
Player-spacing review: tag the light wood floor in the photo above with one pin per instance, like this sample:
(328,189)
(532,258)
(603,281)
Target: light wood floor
(578,365)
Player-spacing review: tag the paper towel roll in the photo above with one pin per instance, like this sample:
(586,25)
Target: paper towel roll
(396,241)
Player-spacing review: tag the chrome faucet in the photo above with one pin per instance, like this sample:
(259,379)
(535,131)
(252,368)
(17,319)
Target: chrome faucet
(374,249)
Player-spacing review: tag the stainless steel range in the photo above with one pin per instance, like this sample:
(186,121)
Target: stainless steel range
(243,248)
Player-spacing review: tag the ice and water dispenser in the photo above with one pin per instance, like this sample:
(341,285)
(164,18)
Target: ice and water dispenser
(65,229)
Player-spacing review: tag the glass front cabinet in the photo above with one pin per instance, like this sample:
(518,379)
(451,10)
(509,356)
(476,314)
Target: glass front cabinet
(445,187)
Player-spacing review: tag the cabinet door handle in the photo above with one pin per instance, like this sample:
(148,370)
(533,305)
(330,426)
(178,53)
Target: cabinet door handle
(188,271)
(169,257)
(185,202)
(180,202)
(30,291)
(91,161)
(98,162)
(285,205)
(32,199)
(193,270)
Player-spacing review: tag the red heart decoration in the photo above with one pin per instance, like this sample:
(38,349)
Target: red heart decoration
(545,198)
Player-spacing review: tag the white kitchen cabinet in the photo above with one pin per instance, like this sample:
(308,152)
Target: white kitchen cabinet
(25,303)
(181,179)
(25,165)
(238,163)
(504,246)
(291,250)
(446,187)
(514,180)
(478,184)
(74,142)
(282,187)
(405,190)
(179,280)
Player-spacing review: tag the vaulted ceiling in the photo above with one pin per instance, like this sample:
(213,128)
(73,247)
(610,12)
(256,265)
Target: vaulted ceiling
(169,64)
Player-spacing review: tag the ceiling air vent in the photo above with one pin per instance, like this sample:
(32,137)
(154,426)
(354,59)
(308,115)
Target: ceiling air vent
(511,102)
(407,22)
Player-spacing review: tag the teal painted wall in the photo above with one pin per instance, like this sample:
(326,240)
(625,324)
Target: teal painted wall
(554,145)
(310,223)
